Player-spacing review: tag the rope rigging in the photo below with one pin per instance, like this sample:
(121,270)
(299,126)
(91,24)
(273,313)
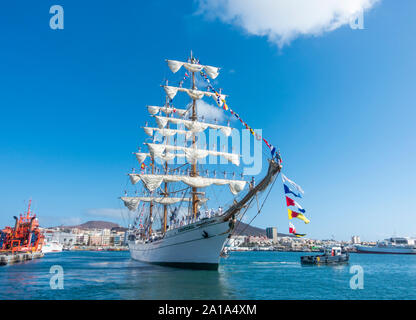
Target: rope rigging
(258,210)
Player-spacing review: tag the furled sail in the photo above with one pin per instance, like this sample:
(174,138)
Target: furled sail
(167,132)
(191,154)
(192,93)
(194,126)
(153,181)
(141,156)
(153,110)
(175,65)
(132,203)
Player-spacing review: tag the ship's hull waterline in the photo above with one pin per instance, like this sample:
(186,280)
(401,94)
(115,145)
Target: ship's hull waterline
(195,246)
(386,250)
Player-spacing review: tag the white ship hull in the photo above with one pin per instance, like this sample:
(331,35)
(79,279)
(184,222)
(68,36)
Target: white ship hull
(50,247)
(387,250)
(196,245)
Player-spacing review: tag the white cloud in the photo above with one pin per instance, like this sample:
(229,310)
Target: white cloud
(209,111)
(281,21)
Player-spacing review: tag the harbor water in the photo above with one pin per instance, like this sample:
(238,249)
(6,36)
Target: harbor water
(243,275)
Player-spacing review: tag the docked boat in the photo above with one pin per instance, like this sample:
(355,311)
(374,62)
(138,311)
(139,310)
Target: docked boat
(52,246)
(173,224)
(394,245)
(332,255)
(26,235)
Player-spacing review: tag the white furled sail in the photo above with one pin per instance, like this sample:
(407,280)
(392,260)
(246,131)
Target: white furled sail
(153,181)
(132,203)
(192,154)
(175,65)
(167,132)
(141,157)
(192,93)
(194,126)
(153,110)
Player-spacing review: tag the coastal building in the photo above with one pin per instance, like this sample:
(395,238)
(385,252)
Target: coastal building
(82,239)
(355,240)
(271,233)
(115,240)
(64,238)
(95,240)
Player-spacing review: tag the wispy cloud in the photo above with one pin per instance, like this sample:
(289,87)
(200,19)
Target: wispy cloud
(281,21)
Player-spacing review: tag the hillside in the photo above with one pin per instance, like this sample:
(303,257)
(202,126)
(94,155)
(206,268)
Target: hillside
(96,225)
(244,229)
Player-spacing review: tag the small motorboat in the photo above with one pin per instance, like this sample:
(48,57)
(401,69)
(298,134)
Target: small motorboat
(332,255)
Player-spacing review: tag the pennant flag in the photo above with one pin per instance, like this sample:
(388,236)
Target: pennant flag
(289,201)
(292,228)
(299,207)
(219,101)
(294,214)
(300,234)
(297,187)
(279,158)
(293,231)
(142,166)
(288,190)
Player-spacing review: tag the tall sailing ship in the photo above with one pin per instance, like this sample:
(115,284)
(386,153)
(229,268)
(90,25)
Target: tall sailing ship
(173,224)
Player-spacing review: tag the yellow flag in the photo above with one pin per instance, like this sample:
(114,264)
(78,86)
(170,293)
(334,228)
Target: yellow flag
(294,214)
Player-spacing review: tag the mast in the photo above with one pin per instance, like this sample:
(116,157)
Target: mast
(151,203)
(194,171)
(165,208)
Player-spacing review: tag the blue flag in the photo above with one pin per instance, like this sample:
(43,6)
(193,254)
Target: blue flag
(288,190)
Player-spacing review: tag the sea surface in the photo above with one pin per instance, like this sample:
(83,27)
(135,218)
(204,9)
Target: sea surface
(243,275)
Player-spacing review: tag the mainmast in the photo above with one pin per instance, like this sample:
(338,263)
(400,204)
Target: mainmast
(194,172)
(165,208)
(151,203)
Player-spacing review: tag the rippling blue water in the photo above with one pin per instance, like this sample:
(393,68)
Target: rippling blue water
(244,275)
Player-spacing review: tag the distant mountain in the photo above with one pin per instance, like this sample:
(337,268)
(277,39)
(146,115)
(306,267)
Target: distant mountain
(244,229)
(96,225)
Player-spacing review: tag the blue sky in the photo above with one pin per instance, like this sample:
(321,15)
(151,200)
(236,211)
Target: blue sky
(339,105)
